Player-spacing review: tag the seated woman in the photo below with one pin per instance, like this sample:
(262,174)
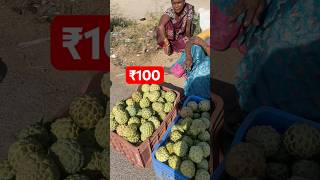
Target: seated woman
(194,64)
(175,27)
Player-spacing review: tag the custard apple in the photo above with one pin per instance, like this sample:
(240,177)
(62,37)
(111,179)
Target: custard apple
(121,116)
(144,103)
(204,105)
(136,96)
(77,177)
(143,137)
(129,102)
(187,168)
(106,84)
(135,138)
(168,107)
(21,148)
(91,155)
(113,124)
(202,175)
(203,164)
(175,136)
(163,93)
(161,100)
(145,88)
(180,148)
(245,160)
(170,96)
(264,137)
(121,103)
(277,171)
(117,108)
(169,147)
(186,112)
(162,115)
(196,154)
(70,155)
(6,171)
(37,131)
(37,166)
(206,122)
(86,111)
(204,136)
(143,121)
(162,154)
(158,107)
(134,120)
(196,115)
(65,128)
(146,95)
(205,148)
(306,169)
(146,113)
(130,130)
(105,163)
(197,127)
(155,121)
(174,162)
(111,115)
(302,140)
(155,87)
(193,105)
(101,133)
(132,110)
(186,123)
(205,115)
(154,96)
(188,140)
(146,129)
(177,127)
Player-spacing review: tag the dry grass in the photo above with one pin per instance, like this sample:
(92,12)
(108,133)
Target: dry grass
(133,38)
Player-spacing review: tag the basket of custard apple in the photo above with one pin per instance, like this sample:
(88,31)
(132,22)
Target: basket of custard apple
(267,154)
(185,149)
(74,146)
(137,123)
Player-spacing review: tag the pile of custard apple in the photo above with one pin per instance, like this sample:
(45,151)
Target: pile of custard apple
(138,117)
(267,154)
(72,147)
(187,149)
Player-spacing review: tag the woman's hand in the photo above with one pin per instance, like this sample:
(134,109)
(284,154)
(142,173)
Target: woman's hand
(253,10)
(188,63)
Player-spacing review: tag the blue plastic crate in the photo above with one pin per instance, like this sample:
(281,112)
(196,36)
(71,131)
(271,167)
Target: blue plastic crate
(162,170)
(279,120)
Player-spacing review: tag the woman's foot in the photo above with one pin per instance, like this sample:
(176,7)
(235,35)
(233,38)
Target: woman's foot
(167,50)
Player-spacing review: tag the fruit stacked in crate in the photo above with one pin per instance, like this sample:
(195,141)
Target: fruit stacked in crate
(136,118)
(187,149)
(72,146)
(267,154)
